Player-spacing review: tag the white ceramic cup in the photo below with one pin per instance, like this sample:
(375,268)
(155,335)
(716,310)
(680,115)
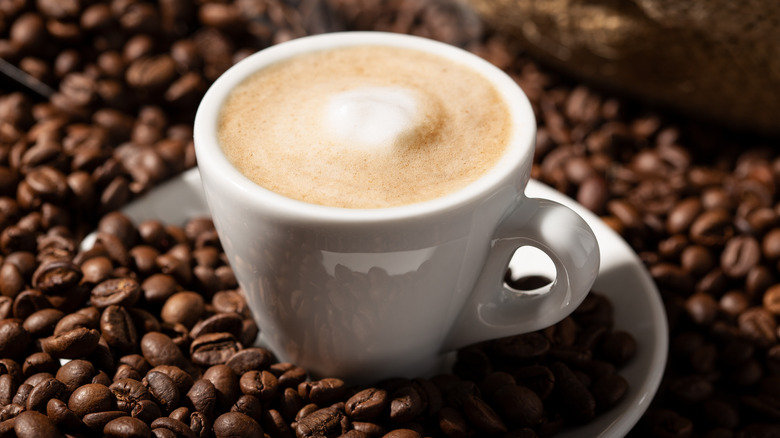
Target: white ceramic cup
(365,294)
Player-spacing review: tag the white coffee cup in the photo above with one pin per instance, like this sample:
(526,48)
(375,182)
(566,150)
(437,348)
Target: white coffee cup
(365,294)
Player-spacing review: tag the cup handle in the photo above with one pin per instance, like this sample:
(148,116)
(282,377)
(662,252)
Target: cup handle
(495,310)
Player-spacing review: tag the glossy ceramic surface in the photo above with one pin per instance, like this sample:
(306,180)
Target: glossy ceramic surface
(365,294)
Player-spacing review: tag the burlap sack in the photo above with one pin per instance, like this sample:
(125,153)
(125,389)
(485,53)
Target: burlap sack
(716,59)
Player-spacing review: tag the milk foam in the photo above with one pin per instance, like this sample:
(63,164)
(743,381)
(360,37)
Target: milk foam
(364,127)
(371,117)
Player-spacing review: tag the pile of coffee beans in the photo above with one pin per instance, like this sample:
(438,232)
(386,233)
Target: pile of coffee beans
(698,203)
(146,333)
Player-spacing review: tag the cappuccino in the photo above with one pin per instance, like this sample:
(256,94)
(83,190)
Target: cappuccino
(364,127)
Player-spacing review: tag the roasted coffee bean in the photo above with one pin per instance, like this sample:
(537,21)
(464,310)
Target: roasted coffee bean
(76,320)
(41,323)
(146,411)
(741,254)
(252,358)
(126,427)
(214,348)
(124,371)
(163,389)
(518,405)
(202,396)
(226,384)
(43,392)
(117,291)
(128,392)
(181,413)
(323,422)
(522,347)
(221,322)
(29,302)
(159,349)
(72,344)
(758,324)
(366,404)
(249,405)
(402,433)
(157,288)
(200,424)
(573,395)
(96,421)
(452,423)
(538,378)
(91,398)
(181,378)
(261,384)
(7,389)
(75,373)
(118,329)
(406,404)
(322,392)
(32,424)
(13,338)
(178,428)
(59,414)
(236,424)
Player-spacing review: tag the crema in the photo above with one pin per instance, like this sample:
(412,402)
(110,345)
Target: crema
(364,127)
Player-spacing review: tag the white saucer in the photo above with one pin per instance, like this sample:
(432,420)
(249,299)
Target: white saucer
(622,278)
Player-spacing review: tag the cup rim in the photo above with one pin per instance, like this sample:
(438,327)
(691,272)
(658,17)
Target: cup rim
(519,152)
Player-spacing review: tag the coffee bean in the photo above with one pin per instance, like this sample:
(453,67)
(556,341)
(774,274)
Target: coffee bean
(91,398)
(482,416)
(43,392)
(13,338)
(261,384)
(118,329)
(226,384)
(366,404)
(59,414)
(32,424)
(252,358)
(522,347)
(711,228)
(146,411)
(740,255)
(322,392)
(220,322)
(118,291)
(128,392)
(163,389)
(178,428)
(159,349)
(251,406)
(183,307)
(236,424)
(182,379)
(518,405)
(214,348)
(72,344)
(402,433)
(323,422)
(200,424)
(41,323)
(203,396)
(758,324)
(576,400)
(97,421)
(126,427)
(75,373)
(771,300)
